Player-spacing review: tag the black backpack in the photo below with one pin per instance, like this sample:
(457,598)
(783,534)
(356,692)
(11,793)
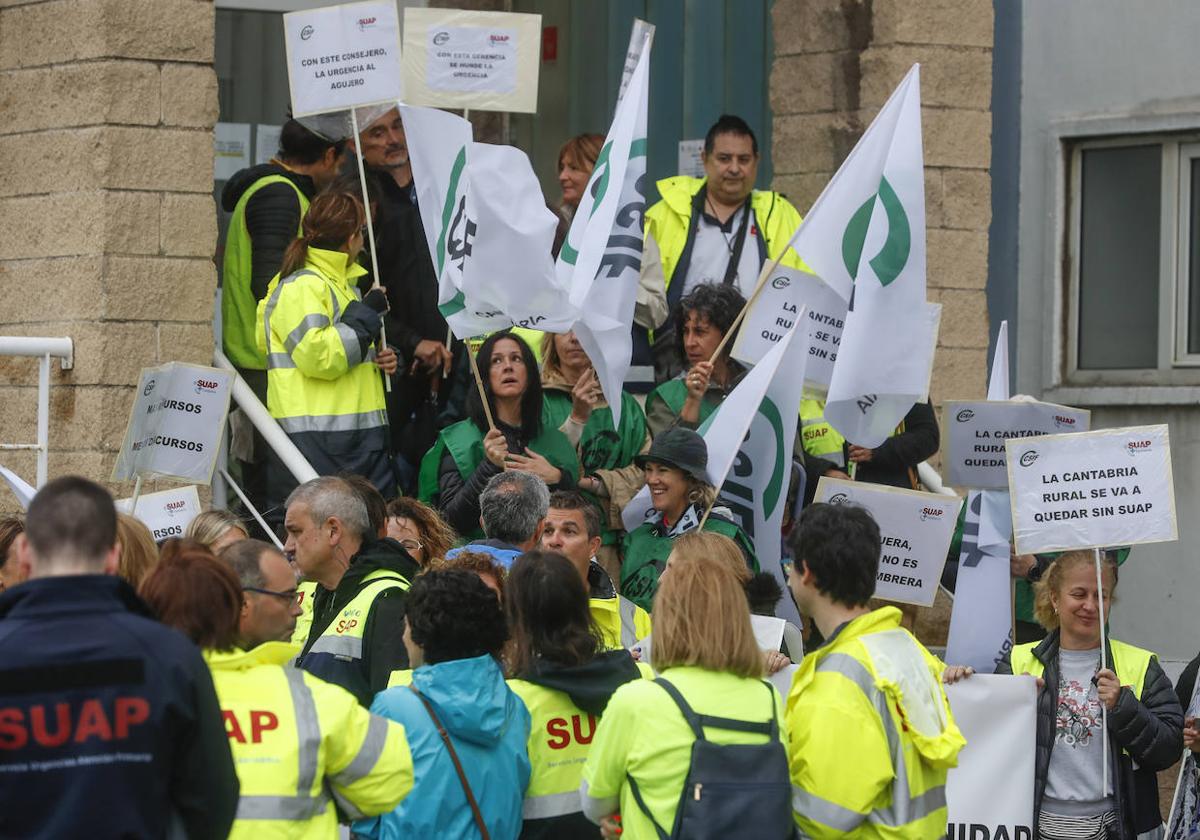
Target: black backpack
(730,788)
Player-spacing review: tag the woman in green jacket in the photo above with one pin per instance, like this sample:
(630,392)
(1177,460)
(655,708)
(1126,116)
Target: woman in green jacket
(680,496)
(573,403)
(466,455)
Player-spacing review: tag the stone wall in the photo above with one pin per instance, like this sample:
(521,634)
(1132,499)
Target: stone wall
(106,205)
(836,62)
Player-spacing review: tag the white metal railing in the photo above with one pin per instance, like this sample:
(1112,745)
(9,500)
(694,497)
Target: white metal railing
(44,349)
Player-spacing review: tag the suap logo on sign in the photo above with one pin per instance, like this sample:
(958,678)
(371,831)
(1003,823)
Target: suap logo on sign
(1028,458)
(441,38)
(173,508)
(366,23)
(1136,446)
(1064,422)
(498,39)
(965,415)
(306,33)
(839,499)
(203,385)
(931,513)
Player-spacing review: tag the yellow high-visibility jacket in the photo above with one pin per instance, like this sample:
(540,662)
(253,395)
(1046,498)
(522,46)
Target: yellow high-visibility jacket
(297,741)
(874,693)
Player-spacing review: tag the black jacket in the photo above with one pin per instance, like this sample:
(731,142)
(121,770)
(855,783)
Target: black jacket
(1148,731)
(121,707)
(272,218)
(590,686)
(383,637)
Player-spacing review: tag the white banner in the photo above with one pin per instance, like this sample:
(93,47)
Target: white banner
(773,313)
(482,61)
(916,529)
(989,795)
(341,57)
(175,424)
(168,513)
(601,258)
(1092,489)
(975,433)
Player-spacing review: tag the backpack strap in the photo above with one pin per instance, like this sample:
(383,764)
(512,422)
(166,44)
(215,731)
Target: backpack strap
(637,797)
(462,776)
(698,722)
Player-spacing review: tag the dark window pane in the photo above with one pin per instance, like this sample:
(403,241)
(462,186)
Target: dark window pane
(1193,223)
(1118,259)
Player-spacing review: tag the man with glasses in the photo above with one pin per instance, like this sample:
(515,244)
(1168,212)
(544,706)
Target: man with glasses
(272,602)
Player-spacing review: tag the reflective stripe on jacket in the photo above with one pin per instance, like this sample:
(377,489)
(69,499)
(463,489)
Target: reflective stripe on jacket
(318,379)
(238,305)
(622,623)
(297,741)
(875,693)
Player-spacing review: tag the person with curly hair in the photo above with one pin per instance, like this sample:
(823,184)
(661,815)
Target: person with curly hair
(420,529)
(704,315)
(466,728)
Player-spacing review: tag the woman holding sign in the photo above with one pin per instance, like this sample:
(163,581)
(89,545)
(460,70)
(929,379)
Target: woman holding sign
(1144,719)
(681,497)
(468,453)
(573,403)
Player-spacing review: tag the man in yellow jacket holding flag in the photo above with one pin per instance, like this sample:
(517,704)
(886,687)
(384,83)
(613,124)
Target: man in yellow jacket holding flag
(871,692)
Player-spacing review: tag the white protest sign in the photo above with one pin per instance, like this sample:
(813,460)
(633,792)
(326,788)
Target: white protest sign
(482,61)
(976,431)
(989,795)
(341,57)
(774,312)
(168,513)
(175,424)
(19,487)
(231,149)
(1092,490)
(916,529)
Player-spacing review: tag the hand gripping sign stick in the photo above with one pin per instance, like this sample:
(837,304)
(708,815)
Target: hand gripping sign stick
(362,180)
(487,409)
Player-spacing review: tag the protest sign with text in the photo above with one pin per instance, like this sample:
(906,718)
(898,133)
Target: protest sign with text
(481,61)
(1092,489)
(916,529)
(168,513)
(773,313)
(989,795)
(976,432)
(340,57)
(175,424)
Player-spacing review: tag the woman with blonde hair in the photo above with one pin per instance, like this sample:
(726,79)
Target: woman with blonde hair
(139,553)
(1075,695)
(216,528)
(711,687)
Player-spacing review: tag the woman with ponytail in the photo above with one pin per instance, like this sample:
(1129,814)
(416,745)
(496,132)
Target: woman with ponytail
(323,382)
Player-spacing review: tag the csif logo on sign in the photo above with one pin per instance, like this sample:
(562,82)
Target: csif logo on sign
(965,415)
(441,38)
(928,513)
(1135,447)
(839,499)
(1028,458)
(306,33)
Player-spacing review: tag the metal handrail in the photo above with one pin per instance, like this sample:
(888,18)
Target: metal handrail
(45,349)
(257,414)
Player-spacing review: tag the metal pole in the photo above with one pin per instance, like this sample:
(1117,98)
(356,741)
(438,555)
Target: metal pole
(366,198)
(253,510)
(43,420)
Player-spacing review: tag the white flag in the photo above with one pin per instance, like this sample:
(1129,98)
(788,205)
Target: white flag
(865,237)
(981,619)
(19,487)
(601,258)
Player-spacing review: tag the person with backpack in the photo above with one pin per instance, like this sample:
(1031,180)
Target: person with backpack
(871,736)
(699,752)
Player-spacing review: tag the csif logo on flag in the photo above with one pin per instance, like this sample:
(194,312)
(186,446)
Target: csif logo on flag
(893,256)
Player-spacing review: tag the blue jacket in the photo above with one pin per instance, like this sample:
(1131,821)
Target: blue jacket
(488,725)
(109,725)
(503,553)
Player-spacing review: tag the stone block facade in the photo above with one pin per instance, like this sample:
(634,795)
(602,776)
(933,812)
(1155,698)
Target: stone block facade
(106,181)
(836,62)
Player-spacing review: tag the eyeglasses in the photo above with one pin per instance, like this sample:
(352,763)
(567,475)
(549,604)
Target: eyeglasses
(292,596)
(411,545)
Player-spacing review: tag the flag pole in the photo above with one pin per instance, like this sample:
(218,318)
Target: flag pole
(362,180)
(487,409)
(758,287)
(1103,665)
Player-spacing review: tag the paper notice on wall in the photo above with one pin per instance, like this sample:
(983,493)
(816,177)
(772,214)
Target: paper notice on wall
(266,142)
(484,61)
(691,158)
(231,146)
(1092,490)
(341,57)
(975,433)
(916,529)
(175,424)
(168,513)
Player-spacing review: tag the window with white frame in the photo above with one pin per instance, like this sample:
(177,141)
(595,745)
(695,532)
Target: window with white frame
(1133,261)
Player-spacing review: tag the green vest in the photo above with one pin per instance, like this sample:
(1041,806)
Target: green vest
(238,304)
(673,392)
(464,442)
(645,556)
(600,446)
